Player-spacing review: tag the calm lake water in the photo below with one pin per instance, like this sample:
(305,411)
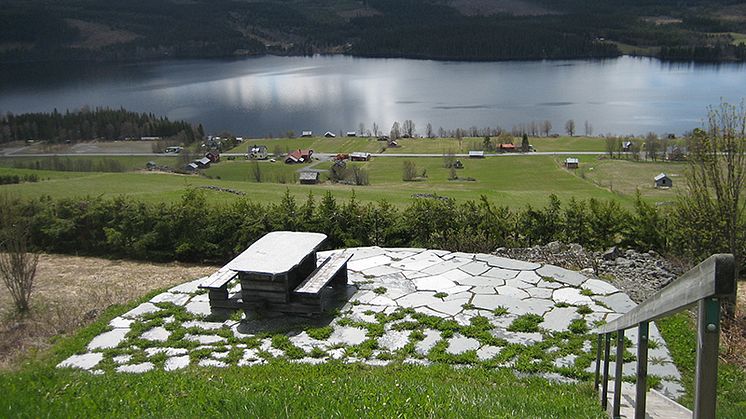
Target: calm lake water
(259,96)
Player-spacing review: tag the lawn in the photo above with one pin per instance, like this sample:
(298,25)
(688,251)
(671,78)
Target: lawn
(282,389)
(512,181)
(416,145)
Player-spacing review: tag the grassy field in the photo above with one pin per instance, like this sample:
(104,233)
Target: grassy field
(415,145)
(512,181)
(126,162)
(282,389)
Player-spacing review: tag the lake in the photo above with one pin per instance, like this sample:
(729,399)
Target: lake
(273,95)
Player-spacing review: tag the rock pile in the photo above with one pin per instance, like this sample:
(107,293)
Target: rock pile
(639,274)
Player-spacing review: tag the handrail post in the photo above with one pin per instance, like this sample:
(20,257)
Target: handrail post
(616,408)
(597,379)
(605,384)
(642,370)
(708,340)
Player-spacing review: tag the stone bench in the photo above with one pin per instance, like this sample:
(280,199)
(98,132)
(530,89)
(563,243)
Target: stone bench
(217,285)
(320,285)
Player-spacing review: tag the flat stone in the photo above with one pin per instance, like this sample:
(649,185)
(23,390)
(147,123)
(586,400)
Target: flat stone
(537,292)
(516,283)
(455,275)
(85,361)
(201,297)
(430,312)
(445,266)
(418,262)
(205,339)
(347,336)
(571,296)
(433,283)
(562,275)
(559,318)
(120,323)
(459,344)
(382,301)
(200,308)
(505,263)
(521,338)
(138,311)
(367,263)
(209,362)
(176,363)
(512,292)
(529,277)
(500,273)
(136,368)
(619,302)
(534,305)
(203,325)
(121,359)
(488,352)
(475,268)
(566,361)
(451,308)
(168,351)
(357,253)
(458,296)
(158,334)
(418,299)
(394,340)
(482,281)
(189,287)
(219,355)
(108,340)
(552,285)
(167,297)
(380,271)
(599,287)
(491,302)
(484,290)
(431,338)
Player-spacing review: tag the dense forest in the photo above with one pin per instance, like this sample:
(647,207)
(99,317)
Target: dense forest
(46,30)
(97,124)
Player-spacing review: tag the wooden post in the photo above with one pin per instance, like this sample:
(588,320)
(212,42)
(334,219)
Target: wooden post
(605,385)
(706,375)
(642,370)
(598,363)
(616,407)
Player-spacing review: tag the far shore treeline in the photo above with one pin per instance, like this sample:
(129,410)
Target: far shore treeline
(99,123)
(194,230)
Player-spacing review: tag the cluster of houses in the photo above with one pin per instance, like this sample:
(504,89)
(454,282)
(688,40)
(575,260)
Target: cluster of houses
(204,162)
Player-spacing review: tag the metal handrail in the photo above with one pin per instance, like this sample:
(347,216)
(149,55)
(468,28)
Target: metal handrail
(705,285)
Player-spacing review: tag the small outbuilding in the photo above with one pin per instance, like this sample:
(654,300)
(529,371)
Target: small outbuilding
(476,154)
(306,134)
(191,167)
(214,156)
(360,156)
(309,178)
(151,165)
(202,163)
(330,134)
(572,163)
(663,181)
(351,134)
(507,147)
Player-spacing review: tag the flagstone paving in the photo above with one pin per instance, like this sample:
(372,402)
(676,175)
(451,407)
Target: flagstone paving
(412,306)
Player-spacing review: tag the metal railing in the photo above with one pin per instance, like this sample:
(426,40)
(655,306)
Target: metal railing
(705,285)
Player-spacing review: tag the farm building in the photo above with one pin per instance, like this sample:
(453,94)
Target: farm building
(299,156)
(626,145)
(191,167)
(214,156)
(202,163)
(476,154)
(257,152)
(151,165)
(507,147)
(393,143)
(663,181)
(572,163)
(309,178)
(306,134)
(330,134)
(359,156)
(351,134)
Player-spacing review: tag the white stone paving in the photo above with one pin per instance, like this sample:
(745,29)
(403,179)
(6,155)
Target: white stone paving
(397,287)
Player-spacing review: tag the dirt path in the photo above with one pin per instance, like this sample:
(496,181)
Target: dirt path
(71,292)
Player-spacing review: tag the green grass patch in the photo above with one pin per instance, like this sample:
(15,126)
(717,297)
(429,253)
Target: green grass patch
(526,323)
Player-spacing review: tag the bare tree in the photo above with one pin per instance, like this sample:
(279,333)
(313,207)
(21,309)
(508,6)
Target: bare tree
(361,128)
(429,130)
(652,146)
(717,178)
(408,128)
(570,127)
(375,129)
(612,144)
(546,127)
(409,171)
(588,128)
(441,132)
(395,131)
(17,265)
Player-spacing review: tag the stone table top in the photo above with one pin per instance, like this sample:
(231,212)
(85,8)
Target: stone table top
(277,252)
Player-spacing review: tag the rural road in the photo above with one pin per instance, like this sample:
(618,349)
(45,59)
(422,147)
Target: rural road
(320,155)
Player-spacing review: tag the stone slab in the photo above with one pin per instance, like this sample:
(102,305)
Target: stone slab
(85,361)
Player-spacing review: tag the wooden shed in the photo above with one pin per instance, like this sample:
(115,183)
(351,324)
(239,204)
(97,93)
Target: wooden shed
(663,181)
(572,163)
(309,178)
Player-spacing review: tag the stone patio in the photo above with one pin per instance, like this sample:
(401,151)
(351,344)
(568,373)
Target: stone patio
(405,305)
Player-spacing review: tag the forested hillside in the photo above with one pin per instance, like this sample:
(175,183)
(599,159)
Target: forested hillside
(44,30)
